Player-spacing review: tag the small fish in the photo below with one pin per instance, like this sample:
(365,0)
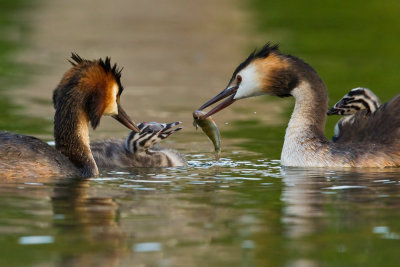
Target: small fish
(210,128)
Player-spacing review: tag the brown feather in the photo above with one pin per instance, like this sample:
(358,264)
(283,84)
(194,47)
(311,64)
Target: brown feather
(380,127)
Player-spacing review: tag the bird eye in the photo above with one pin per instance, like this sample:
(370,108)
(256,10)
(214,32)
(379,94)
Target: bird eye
(239,79)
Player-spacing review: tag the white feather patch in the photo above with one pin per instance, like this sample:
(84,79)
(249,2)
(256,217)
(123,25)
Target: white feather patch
(112,108)
(250,85)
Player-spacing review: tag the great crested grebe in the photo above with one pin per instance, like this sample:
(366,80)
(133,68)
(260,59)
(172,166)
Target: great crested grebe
(139,149)
(87,91)
(357,99)
(268,71)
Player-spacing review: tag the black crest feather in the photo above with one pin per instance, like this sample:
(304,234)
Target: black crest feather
(106,64)
(262,53)
(114,69)
(76,59)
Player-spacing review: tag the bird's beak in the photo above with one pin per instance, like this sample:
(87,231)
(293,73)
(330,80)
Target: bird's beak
(123,118)
(231,91)
(333,111)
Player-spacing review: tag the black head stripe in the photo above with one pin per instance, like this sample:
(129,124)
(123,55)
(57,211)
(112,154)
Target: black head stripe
(130,140)
(350,107)
(361,101)
(376,105)
(371,100)
(356,92)
(146,139)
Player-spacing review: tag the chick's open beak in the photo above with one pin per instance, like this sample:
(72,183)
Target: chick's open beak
(123,118)
(228,92)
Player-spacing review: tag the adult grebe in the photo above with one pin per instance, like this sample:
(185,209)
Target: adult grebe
(268,71)
(139,149)
(87,91)
(357,99)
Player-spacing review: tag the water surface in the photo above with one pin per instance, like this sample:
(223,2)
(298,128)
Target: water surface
(244,210)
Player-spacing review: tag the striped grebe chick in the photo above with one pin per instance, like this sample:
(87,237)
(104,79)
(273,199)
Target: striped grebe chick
(139,149)
(90,89)
(357,99)
(268,71)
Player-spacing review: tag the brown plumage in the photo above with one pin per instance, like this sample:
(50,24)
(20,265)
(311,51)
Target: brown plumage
(87,91)
(379,127)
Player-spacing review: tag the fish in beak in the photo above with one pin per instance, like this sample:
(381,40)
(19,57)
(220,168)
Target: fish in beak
(123,118)
(228,93)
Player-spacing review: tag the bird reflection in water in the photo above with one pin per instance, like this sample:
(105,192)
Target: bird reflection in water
(92,223)
(321,200)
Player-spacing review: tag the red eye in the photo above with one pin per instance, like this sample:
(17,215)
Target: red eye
(239,79)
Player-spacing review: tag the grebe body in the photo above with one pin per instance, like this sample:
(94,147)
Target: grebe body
(27,156)
(268,71)
(139,149)
(87,91)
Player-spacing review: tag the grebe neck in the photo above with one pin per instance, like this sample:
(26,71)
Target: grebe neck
(71,133)
(305,131)
(310,107)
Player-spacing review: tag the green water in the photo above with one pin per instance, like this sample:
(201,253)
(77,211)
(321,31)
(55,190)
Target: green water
(350,43)
(243,211)
(240,212)
(13,37)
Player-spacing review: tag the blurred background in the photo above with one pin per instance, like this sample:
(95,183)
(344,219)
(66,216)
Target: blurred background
(177,54)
